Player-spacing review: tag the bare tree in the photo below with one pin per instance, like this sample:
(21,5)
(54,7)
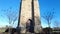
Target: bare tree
(48,16)
(11,16)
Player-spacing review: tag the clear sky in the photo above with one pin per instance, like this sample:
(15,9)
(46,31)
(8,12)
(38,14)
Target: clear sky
(48,5)
(45,6)
(5,5)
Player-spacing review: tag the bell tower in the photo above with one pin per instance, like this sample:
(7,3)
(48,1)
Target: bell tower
(30,10)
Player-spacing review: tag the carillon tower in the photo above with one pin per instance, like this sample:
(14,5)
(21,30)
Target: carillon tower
(30,10)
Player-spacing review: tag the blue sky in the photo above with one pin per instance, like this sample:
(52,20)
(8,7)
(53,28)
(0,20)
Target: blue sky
(45,6)
(5,5)
(48,5)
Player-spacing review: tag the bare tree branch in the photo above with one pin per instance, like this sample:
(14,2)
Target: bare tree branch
(48,16)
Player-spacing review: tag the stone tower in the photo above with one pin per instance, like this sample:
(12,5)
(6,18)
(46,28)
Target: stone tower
(29,10)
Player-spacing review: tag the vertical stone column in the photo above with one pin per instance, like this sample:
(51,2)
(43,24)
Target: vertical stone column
(26,13)
(37,17)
